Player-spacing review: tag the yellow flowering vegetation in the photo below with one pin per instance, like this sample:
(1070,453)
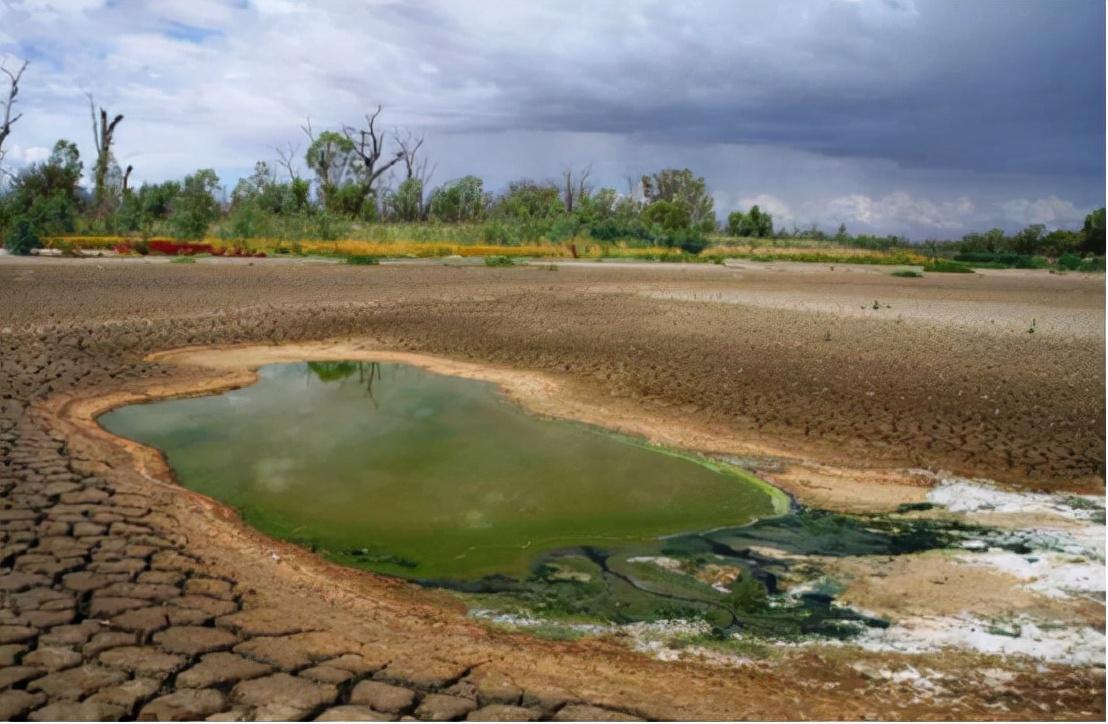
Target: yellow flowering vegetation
(585,248)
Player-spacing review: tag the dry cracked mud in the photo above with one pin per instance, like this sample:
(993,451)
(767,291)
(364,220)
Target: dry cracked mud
(124,596)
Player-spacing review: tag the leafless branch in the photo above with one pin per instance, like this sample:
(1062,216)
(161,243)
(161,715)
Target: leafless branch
(409,144)
(286,159)
(575,188)
(103,135)
(369,145)
(13,90)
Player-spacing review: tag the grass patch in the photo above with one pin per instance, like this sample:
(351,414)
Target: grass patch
(363,259)
(182,260)
(907,274)
(947,266)
(499,260)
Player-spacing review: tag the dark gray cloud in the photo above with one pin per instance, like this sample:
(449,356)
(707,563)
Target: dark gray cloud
(926,116)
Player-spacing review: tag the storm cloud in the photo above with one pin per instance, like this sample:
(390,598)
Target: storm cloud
(924,117)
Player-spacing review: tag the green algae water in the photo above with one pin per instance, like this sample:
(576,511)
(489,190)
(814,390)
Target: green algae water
(402,471)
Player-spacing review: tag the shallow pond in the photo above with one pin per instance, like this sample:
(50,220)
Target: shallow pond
(396,469)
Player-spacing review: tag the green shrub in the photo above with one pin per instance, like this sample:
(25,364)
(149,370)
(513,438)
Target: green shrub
(907,273)
(363,259)
(22,237)
(1092,264)
(998,260)
(182,260)
(499,261)
(1069,262)
(947,266)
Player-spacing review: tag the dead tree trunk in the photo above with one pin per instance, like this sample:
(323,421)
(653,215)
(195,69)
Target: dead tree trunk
(574,189)
(8,120)
(103,135)
(369,144)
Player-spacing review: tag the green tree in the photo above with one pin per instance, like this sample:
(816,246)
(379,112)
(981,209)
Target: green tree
(460,200)
(670,216)
(526,200)
(333,159)
(1093,233)
(195,208)
(143,208)
(1029,240)
(681,186)
(755,223)
(44,199)
(406,202)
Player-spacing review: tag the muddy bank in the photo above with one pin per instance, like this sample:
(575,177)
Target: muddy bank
(1022,408)
(77,333)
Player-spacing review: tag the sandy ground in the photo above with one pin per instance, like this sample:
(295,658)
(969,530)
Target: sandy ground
(843,409)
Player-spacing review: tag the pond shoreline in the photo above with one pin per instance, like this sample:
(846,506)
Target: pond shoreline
(221,368)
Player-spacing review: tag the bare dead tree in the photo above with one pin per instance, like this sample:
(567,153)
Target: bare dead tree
(103,135)
(575,187)
(369,144)
(8,119)
(409,144)
(127,177)
(416,163)
(286,159)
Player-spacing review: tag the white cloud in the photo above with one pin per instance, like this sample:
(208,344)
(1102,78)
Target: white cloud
(775,206)
(502,91)
(19,156)
(896,209)
(1050,211)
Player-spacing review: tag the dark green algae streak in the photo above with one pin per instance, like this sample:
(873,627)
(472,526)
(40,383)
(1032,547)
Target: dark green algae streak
(441,480)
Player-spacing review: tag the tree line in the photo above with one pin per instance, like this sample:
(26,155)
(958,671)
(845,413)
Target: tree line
(365,174)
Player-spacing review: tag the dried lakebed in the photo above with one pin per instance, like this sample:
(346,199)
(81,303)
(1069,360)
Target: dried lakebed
(552,526)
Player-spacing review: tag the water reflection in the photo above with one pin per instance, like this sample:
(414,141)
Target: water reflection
(367,373)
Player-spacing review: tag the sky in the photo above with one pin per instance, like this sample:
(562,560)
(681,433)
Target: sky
(926,118)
